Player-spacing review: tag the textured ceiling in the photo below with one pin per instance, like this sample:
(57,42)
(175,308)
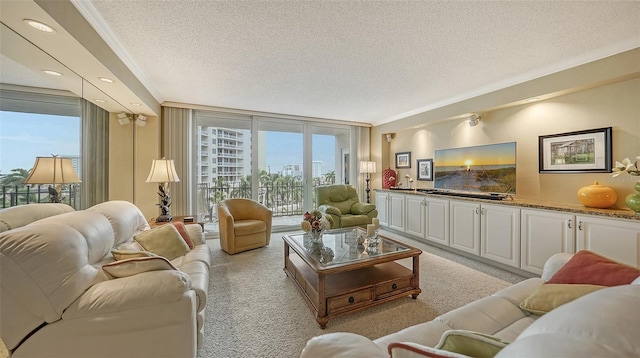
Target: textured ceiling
(366,61)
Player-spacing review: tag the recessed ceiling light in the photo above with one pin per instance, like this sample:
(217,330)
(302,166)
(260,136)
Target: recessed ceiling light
(39,26)
(100,100)
(106,79)
(135,104)
(532,99)
(52,72)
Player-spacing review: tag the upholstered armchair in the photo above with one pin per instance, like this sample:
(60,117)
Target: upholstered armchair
(342,204)
(244,225)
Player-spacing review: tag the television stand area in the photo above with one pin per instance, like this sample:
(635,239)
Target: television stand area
(464,194)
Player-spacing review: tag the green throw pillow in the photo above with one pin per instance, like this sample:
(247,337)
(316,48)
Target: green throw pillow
(552,295)
(473,344)
(164,241)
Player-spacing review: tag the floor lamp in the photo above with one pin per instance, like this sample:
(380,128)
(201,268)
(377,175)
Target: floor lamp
(163,171)
(53,170)
(367,167)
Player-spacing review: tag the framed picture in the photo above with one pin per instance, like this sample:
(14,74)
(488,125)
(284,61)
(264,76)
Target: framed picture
(425,169)
(576,152)
(403,160)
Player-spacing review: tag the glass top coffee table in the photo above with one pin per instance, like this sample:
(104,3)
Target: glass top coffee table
(339,275)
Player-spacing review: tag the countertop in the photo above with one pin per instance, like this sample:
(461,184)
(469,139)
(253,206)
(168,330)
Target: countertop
(615,212)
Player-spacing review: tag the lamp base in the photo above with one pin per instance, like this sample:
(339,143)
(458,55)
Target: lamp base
(164,218)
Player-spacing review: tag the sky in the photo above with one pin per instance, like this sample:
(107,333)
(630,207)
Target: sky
(493,154)
(24,136)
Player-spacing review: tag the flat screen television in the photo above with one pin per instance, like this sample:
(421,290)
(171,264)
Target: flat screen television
(484,169)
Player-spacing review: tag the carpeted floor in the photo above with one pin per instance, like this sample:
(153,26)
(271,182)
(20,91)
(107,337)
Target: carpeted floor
(254,310)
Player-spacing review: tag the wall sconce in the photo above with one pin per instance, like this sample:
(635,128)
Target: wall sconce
(474,119)
(389,137)
(125,118)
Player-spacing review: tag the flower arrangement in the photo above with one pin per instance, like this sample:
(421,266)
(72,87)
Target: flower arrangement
(315,222)
(626,167)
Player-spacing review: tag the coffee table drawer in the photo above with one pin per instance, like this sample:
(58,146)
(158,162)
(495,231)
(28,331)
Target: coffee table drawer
(347,301)
(392,286)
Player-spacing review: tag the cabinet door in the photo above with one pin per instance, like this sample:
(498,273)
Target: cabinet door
(616,239)
(382,206)
(437,220)
(500,234)
(415,214)
(543,234)
(464,228)
(396,211)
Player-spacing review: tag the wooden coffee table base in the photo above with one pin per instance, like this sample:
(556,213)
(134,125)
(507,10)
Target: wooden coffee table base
(351,288)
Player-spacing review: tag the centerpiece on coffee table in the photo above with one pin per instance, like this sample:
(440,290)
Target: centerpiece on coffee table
(315,224)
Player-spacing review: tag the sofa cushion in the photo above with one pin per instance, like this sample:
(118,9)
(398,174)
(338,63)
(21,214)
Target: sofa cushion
(549,296)
(182,229)
(164,241)
(129,254)
(248,227)
(470,343)
(414,350)
(600,324)
(136,265)
(586,267)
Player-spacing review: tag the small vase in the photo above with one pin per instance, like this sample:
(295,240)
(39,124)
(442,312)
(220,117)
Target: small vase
(633,200)
(597,196)
(316,235)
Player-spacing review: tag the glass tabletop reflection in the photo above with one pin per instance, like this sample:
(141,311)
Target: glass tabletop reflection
(349,245)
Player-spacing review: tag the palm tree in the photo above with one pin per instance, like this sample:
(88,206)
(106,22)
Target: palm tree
(244,189)
(330,177)
(16,178)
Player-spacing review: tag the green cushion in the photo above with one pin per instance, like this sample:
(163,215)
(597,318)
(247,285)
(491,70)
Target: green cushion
(473,344)
(551,295)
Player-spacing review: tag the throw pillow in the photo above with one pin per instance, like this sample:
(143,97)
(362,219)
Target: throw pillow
(586,267)
(410,349)
(134,266)
(164,240)
(549,296)
(129,254)
(182,229)
(470,343)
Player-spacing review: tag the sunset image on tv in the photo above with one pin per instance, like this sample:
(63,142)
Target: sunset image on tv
(486,168)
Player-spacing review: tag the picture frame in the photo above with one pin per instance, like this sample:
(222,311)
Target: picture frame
(424,169)
(587,151)
(403,160)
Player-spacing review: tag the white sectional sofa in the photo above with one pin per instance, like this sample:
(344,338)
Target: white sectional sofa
(58,301)
(603,323)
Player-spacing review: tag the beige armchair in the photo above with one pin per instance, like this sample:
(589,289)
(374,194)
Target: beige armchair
(244,225)
(342,203)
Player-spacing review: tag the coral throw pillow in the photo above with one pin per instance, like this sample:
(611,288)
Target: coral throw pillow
(586,267)
(182,229)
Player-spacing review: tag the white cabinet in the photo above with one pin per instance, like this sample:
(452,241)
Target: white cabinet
(415,209)
(395,215)
(616,239)
(382,205)
(544,233)
(464,219)
(500,234)
(437,220)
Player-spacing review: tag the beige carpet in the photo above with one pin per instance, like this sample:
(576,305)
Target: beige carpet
(254,310)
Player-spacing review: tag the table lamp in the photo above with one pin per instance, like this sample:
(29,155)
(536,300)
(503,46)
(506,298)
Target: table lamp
(53,170)
(367,167)
(163,171)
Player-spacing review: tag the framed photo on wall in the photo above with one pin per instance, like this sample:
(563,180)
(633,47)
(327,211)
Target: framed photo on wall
(403,160)
(425,169)
(586,151)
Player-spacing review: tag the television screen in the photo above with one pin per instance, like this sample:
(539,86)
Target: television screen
(486,168)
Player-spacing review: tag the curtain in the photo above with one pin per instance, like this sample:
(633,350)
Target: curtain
(176,141)
(94,149)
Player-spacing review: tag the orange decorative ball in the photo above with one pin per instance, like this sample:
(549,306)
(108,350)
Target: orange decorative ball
(597,196)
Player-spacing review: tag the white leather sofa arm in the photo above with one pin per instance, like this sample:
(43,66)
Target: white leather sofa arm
(131,292)
(553,264)
(342,345)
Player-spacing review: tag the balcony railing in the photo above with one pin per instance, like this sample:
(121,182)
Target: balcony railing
(15,195)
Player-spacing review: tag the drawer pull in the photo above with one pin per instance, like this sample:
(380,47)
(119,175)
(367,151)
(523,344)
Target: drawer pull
(351,299)
(394,286)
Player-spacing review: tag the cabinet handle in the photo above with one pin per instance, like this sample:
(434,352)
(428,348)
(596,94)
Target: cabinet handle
(580,225)
(569,223)
(483,211)
(477,211)
(351,299)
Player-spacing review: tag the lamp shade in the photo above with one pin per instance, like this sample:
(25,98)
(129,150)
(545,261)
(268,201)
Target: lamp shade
(52,170)
(163,171)
(367,167)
